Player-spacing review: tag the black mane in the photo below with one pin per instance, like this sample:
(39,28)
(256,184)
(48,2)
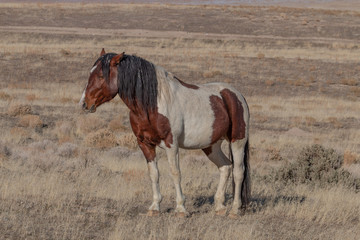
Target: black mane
(137,80)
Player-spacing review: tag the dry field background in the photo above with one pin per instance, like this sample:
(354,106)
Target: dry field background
(68,175)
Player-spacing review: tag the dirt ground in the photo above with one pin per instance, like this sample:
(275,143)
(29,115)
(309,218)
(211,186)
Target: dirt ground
(67,175)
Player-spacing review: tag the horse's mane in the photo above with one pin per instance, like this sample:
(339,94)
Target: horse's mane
(137,80)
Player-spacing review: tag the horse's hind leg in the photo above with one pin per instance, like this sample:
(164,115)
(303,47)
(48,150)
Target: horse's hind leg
(216,155)
(238,152)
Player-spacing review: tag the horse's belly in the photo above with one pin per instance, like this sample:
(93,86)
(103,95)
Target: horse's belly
(197,129)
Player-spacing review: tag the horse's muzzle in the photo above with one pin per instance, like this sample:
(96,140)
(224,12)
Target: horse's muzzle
(86,109)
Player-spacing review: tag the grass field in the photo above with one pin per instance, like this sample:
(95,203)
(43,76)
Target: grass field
(69,175)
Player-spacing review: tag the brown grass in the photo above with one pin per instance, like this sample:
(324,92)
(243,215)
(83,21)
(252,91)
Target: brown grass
(350,158)
(89,123)
(117,124)
(82,176)
(102,138)
(31,97)
(212,73)
(31,121)
(19,109)
(65,131)
(5,96)
(350,81)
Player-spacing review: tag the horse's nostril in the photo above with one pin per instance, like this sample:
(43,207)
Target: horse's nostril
(84,105)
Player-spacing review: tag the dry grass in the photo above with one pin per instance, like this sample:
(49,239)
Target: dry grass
(212,73)
(19,109)
(69,175)
(31,121)
(102,138)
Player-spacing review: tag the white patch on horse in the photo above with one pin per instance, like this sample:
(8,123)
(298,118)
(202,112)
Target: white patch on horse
(82,99)
(93,69)
(176,102)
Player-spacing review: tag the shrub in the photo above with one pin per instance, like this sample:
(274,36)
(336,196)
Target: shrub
(319,166)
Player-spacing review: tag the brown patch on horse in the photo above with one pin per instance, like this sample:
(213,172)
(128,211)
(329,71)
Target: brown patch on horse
(236,114)
(99,90)
(222,121)
(192,86)
(150,129)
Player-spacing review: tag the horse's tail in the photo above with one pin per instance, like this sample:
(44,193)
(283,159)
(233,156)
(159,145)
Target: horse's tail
(245,186)
(245,192)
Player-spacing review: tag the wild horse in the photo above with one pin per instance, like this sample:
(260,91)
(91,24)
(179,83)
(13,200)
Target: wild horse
(169,113)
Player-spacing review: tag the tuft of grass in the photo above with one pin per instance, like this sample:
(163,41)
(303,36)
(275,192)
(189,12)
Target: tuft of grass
(19,134)
(269,83)
(65,131)
(5,96)
(31,97)
(261,56)
(19,109)
(89,123)
(68,150)
(5,151)
(102,138)
(349,158)
(31,121)
(117,124)
(349,81)
(128,140)
(212,73)
(355,91)
(335,122)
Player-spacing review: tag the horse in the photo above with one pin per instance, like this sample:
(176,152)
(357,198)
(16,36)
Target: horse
(168,113)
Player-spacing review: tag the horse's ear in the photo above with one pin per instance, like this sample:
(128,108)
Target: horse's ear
(116,60)
(102,52)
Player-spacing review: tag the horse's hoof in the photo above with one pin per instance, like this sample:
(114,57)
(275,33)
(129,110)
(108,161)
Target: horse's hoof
(234,216)
(153,213)
(221,212)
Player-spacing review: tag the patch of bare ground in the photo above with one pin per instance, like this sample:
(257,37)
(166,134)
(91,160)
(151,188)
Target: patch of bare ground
(69,175)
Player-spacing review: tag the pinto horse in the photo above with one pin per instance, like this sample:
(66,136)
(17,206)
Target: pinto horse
(169,113)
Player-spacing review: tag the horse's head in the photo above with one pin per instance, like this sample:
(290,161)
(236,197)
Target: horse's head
(102,85)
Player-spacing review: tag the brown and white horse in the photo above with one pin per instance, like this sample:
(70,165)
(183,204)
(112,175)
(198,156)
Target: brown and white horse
(169,113)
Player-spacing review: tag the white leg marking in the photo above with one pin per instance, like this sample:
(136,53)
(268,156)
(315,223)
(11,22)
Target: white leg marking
(238,148)
(220,192)
(154,176)
(173,159)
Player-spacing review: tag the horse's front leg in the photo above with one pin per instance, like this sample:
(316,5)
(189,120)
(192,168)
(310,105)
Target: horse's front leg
(150,155)
(173,159)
